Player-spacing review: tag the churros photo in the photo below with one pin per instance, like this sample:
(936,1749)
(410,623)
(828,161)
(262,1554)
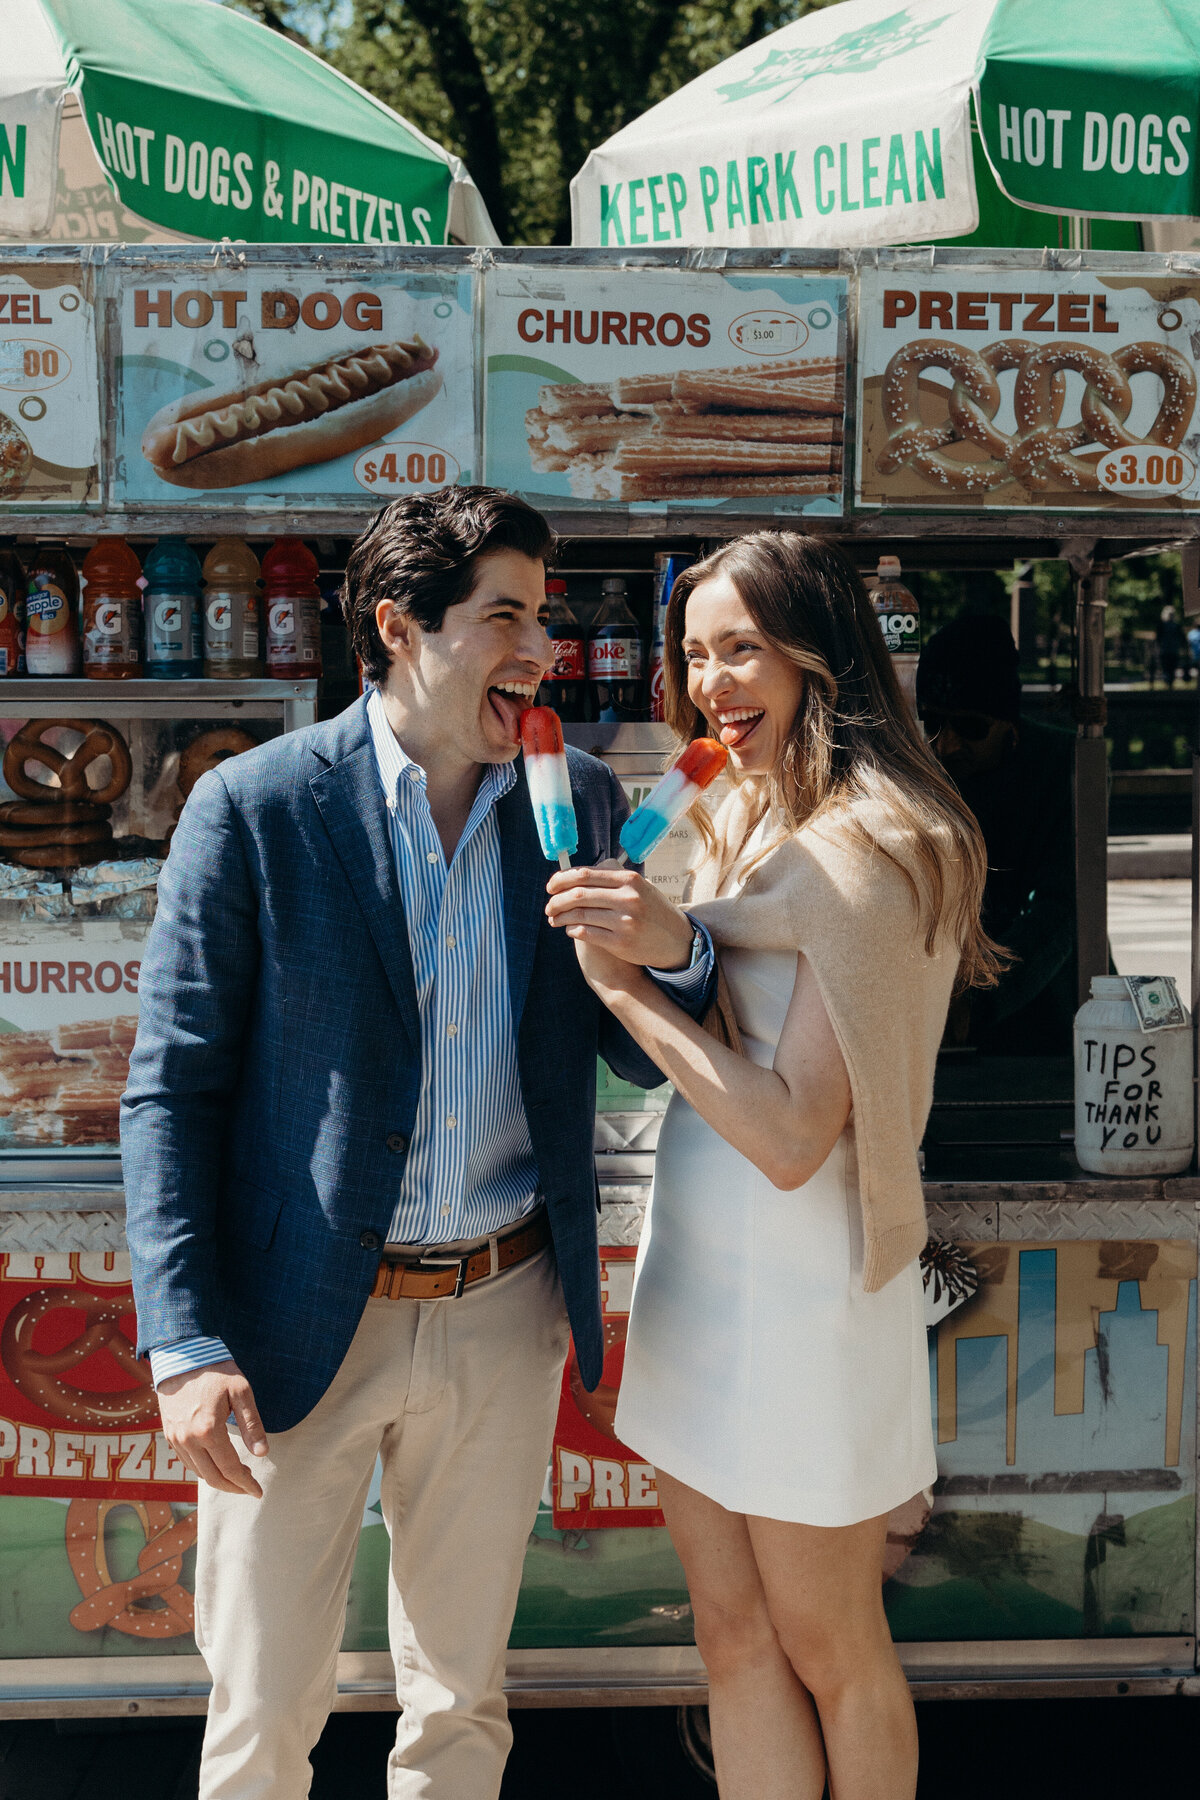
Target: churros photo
(764,429)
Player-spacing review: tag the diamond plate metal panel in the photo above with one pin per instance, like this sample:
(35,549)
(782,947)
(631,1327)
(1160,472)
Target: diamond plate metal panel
(963,1221)
(1100,1219)
(44,1232)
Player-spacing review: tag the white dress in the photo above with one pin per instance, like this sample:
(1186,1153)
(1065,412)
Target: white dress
(757,1370)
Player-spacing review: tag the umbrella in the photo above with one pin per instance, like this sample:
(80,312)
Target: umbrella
(854,126)
(209,124)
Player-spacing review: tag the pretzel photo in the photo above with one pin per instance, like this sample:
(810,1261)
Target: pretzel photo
(1042,455)
(39,1374)
(69,771)
(326,410)
(151,1604)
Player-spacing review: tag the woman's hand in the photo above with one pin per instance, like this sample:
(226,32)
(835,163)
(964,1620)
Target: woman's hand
(617,911)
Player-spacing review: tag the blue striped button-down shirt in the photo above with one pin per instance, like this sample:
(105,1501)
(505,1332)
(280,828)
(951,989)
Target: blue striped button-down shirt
(471,1169)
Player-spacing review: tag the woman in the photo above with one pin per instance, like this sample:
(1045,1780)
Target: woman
(776,1369)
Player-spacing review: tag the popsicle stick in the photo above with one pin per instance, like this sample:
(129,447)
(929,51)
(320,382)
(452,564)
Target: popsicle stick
(619,862)
(564,859)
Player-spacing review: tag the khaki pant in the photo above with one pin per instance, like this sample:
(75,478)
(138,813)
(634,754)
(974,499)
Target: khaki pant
(458,1398)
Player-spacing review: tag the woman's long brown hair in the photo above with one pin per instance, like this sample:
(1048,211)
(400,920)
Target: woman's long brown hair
(854,737)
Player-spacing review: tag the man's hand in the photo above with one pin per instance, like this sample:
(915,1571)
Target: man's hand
(195,1407)
(623,913)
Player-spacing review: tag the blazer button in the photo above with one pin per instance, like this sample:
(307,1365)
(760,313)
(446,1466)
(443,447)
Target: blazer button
(396,1142)
(369,1240)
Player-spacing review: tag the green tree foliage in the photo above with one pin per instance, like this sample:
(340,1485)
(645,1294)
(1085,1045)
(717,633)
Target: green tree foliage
(522,90)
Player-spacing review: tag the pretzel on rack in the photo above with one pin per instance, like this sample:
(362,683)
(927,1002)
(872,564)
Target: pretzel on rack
(69,771)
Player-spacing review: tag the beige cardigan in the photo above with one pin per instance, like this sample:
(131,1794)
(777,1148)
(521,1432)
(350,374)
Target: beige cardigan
(851,912)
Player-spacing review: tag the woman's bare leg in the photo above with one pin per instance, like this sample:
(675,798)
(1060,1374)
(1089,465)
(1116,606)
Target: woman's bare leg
(824,1596)
(766,1738)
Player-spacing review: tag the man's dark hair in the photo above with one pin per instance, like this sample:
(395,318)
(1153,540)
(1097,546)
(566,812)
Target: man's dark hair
(422,552)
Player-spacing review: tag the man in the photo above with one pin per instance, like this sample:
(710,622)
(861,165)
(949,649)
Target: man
(365,1066)
(1016,776)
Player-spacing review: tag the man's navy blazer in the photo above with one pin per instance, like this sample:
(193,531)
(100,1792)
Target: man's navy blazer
(273,1086)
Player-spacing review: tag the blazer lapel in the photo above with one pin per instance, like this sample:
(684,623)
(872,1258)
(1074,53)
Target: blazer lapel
(524,874)
(350,800)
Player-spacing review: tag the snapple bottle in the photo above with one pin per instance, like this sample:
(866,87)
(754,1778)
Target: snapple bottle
(291,576)
(52,627)
(112,611)
(615,657)
(566,686)
(173,608)
(231,612)
(12,613)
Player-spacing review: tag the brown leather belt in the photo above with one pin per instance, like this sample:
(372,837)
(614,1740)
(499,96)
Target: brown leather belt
(434,1277)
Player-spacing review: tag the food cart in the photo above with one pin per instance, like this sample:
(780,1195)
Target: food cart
(938,405)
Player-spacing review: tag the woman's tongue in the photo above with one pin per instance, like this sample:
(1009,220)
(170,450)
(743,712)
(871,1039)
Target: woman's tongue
(734,735)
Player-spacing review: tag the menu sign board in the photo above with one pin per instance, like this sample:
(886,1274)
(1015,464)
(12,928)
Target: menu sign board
(242,385)
(1027,389)
(49,388)
(610,388)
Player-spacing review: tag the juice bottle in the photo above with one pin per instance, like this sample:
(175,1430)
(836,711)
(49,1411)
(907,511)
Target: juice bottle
(112,611)
(12,613)
(51,622)
(173,612)
(231,612)
(667,565)
(293,604)
(900,621)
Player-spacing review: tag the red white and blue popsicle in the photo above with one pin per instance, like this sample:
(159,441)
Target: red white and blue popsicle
(681,786)
(549,784)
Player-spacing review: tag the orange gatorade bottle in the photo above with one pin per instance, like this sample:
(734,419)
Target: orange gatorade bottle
(112,611)
(52,629)
(232,612)
(293,606)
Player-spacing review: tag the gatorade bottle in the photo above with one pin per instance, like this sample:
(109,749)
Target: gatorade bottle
(615,657)
(293,602)
(565,687)
(900,621)
(173,611)
(12,613)
(667,565)
(51,621)
(231,612)
(112,611)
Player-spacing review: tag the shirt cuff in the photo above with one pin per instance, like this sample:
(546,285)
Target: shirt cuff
(687,984)
(186,1355)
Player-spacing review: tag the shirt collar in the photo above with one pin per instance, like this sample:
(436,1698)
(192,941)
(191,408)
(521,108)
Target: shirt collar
(398,771)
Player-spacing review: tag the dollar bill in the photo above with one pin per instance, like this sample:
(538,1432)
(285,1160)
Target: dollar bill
(1156,1002)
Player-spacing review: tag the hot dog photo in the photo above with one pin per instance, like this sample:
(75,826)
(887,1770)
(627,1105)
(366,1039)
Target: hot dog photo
(663,385)
(335,388)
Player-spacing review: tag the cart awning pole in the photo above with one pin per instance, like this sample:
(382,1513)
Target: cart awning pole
(1091,779)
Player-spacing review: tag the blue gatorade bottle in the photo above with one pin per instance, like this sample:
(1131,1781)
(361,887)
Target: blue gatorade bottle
(173,612)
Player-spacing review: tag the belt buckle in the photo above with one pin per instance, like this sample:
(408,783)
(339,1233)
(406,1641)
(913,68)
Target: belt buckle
(458,1263)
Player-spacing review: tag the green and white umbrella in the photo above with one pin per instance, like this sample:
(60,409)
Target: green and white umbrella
(210,125)
(854,126)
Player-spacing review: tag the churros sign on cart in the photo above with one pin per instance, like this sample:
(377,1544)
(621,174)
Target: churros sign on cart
(301,382)
(618,387)
(985,388)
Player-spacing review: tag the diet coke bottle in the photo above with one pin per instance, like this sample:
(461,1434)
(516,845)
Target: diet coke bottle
(615,658)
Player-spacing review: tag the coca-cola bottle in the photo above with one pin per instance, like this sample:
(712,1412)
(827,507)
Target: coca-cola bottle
(615,658)
(565,688)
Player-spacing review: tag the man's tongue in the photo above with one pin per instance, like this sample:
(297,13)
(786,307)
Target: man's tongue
(509,707)
(738,731)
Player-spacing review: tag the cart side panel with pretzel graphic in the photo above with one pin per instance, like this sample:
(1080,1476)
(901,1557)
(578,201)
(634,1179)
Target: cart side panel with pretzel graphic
(992,388)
